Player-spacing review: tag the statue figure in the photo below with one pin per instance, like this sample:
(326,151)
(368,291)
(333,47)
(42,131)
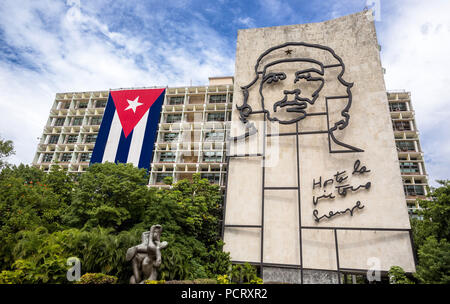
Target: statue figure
(146,257)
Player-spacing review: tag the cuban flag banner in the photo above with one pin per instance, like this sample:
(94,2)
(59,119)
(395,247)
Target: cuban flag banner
(128,129)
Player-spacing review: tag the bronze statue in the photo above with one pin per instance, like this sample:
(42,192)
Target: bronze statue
(146,257)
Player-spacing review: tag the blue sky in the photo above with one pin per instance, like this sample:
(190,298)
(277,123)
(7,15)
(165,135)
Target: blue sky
(50,46)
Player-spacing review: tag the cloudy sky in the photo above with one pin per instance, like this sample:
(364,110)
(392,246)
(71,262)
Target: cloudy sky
(51,46)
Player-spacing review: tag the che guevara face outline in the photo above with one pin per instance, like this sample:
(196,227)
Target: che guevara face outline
(294,101)
(298,104)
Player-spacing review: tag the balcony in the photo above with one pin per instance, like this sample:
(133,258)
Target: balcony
(401,126)
(398,107)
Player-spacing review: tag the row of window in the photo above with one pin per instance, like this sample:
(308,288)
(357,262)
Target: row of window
(218,98)
(167,137)
(402,126)
(84,104)
(397,106)
(405,146)
(209,136)
(96,120)
(66,157)
(414,190)
(409,167)
(78,121)
(216,116)
(208,156)
(213,178)
(69,139)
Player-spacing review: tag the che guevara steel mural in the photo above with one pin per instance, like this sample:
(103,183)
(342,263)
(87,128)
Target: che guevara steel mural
(294,101)
(271,74)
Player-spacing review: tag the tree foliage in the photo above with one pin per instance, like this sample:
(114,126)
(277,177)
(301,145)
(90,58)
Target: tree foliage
(398,276)
(27,202)
(6,150)
(434,261)
(45,218)
(432,236)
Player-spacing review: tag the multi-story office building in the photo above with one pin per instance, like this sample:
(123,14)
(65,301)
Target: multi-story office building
(192,135)
(410,155)
(192,132)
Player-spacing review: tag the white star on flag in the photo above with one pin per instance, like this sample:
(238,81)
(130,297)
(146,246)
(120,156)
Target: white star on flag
(133,104)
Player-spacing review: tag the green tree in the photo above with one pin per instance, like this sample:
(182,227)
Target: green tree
(436,211)
(25,172)
(109,195)
(398,276)
(432,236)
(192,207)
(6,150)
(25,205)
(61,182)
(190,212)
(46,218)
(434,262)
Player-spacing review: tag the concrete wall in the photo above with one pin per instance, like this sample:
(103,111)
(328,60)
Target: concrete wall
(369,128)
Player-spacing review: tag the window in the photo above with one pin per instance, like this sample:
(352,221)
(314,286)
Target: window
(59,122)
(405,145)
(77,121)
(65,105)
(47,157)
(211,177)
(216,116)
(53,139)
(402,126)
(100,103)
(414,190)
(85,157)
(82,105)
(72,139)
(167,157)
(218,98)
(161,176)
(96,120)
(66,157)
(212,156)
(170,137)
(90,138)
(176,100)
(171,118)
(397,106)
(214,136)
(407,167)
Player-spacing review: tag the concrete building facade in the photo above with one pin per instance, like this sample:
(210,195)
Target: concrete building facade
(74,121)
(410,154)
(315,94)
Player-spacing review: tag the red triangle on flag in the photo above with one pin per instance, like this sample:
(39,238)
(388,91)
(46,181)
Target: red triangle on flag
(131,105)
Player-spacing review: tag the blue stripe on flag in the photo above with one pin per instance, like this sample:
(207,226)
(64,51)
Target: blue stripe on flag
(150,132)
(124,148)
(102,137)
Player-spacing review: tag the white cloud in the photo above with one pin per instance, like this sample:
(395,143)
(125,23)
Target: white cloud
(277,10)
(63,48)
(415,51)
(247,22)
